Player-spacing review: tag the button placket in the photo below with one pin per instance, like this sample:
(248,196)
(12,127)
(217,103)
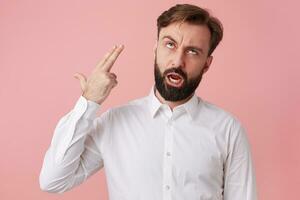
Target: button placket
(167,175)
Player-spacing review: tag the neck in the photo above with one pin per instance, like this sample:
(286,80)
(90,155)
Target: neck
(171,104)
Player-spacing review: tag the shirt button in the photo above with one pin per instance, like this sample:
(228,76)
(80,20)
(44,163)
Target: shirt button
(168,154)
(167,187)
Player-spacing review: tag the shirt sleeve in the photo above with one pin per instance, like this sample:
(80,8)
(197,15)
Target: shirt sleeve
(74,153)
(239,176)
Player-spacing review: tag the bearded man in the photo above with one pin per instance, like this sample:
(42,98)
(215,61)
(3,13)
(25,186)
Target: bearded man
(170,144)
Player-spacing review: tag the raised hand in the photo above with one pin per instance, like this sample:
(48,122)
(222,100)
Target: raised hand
(97,87)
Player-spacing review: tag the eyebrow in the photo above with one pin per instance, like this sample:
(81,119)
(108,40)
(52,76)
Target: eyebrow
(189,47)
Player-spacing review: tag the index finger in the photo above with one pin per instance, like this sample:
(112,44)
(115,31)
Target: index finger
(112,58)
(104,59)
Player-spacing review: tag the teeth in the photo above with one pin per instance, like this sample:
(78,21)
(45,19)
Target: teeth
(174,80)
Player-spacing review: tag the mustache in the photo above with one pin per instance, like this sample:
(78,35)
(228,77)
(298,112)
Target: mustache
(175,70)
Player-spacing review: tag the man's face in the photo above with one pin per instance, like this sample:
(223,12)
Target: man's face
(181,58)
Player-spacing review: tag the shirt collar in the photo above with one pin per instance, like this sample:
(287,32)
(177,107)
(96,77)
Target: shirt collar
(190,106)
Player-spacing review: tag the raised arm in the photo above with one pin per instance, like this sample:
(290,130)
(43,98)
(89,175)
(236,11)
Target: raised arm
(75,150)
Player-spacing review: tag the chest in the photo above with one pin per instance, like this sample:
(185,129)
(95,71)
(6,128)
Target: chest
(151,146)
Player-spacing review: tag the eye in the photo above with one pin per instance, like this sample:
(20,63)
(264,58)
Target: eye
(170,45)
(192,51)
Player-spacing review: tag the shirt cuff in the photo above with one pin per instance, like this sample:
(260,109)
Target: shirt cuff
(90,107)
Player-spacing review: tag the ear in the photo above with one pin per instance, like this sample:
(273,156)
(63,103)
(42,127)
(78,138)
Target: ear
(207,64)
(154,48)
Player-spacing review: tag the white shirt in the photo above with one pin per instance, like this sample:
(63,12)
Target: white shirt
(197,152)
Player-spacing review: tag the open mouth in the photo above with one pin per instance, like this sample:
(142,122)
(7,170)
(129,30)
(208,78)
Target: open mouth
(174,79)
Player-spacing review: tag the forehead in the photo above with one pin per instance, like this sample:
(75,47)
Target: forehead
(187,34)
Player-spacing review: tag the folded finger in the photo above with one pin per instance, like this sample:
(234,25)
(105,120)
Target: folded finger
(112,75)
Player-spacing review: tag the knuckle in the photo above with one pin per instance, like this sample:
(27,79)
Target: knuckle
(112,80)
(107,80)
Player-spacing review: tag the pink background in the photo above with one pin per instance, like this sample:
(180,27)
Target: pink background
(254,75)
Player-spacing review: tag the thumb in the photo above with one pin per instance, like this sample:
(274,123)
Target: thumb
(82,80)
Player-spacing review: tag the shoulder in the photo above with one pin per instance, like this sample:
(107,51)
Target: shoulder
(218,117)
(212,110)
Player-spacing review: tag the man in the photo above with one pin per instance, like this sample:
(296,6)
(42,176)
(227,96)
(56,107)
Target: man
(168,145)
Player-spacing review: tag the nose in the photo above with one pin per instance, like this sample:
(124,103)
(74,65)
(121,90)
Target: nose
(178,59)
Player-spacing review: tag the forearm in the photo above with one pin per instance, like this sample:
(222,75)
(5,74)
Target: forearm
(64,166)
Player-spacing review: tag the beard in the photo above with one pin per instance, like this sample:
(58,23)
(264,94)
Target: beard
(170,93)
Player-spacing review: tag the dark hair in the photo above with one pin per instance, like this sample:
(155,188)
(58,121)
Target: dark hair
(193,15)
